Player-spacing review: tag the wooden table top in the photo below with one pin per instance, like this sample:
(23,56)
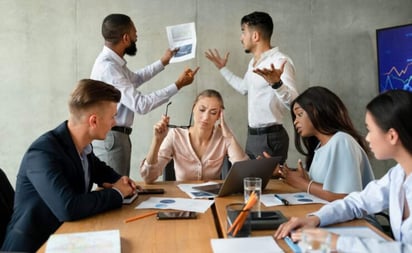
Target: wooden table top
(150,235)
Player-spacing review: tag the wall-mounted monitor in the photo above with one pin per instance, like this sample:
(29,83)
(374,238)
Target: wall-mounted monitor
(394,48)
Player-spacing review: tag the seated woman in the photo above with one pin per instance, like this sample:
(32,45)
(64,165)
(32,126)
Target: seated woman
(335,152)
(199,151)
(388,120)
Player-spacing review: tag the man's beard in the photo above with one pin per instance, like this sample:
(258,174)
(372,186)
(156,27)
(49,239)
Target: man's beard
(247,51)
(131,50)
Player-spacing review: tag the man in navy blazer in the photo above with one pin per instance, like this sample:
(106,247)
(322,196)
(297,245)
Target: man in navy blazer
(58,170)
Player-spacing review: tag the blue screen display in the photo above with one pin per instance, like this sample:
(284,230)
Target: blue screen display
(394,48)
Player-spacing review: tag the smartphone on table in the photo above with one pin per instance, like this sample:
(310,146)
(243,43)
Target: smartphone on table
(150,191)
(168,215)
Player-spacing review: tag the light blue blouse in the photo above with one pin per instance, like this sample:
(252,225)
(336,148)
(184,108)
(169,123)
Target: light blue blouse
(341,165)
(391,191)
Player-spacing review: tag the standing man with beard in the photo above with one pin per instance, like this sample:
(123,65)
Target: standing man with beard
(269,83)
(120,35)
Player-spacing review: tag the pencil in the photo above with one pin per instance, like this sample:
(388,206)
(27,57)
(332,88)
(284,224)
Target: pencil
(140,216)
(241,218)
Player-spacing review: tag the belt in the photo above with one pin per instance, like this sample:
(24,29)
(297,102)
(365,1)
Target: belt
(121,129)
(264,130)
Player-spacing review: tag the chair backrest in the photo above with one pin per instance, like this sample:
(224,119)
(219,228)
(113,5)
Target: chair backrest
(169,170)
(6,204)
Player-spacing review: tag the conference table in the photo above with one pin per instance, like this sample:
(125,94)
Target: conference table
(151,235)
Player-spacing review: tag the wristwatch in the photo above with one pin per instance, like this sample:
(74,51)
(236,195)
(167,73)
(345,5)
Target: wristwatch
(277,84)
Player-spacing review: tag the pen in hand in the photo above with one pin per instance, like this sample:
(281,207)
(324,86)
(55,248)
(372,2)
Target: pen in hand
(284,201)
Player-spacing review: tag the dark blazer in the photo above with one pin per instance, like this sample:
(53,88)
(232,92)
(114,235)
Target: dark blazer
(6,203)
(50,189)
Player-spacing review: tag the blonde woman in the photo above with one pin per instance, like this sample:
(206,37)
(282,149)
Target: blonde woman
(198,151)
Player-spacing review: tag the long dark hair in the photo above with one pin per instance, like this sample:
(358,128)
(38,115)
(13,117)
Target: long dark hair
(393,109)
(328,115)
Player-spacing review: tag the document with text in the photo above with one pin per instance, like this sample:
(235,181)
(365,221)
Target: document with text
(182,36)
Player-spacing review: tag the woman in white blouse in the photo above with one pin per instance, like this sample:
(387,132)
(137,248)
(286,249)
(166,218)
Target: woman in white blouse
(198,152)
(389,124)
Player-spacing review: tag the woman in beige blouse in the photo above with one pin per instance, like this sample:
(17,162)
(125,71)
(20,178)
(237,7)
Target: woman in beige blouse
(198,151)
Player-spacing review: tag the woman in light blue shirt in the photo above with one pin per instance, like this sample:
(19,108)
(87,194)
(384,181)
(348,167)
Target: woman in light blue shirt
(334,150)
(388,120)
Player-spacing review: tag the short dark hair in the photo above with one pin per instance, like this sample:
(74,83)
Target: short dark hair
(89,93)
(393,109)
(328,115)
(115,26)
(261,21)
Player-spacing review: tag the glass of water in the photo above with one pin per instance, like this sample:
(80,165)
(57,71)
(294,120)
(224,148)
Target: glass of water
(253,184)
(312,242)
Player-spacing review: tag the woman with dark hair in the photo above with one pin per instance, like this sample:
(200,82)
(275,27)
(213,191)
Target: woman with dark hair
(198,151)
(334,150)
(388,120)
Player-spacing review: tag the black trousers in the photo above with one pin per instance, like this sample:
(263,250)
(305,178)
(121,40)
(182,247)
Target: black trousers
(275,143)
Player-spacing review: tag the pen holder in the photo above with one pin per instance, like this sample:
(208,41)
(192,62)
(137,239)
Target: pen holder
(232,213)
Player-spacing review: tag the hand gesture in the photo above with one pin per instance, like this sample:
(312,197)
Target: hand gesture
(271,75)
(160,129)
(214,56)
(226,132)
(297,178)
(125,185)
(295,223)
(186,77)
(168,55)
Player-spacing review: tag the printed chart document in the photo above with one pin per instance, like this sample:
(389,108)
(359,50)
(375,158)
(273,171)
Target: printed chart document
(197,194)
(194,205)
(182,36)
(106,241)
(298,198)
(262,244)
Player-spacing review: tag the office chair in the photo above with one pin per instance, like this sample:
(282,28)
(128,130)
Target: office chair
(169,170)
(6,204)
(381,221)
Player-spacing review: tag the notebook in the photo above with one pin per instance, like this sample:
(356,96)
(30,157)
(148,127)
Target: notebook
(233,183)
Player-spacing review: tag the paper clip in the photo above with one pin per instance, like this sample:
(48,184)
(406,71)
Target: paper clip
(295,248)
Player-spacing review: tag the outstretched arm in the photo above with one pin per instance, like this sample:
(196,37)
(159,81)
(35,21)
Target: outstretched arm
(214,56)
(168,55)
(148,172)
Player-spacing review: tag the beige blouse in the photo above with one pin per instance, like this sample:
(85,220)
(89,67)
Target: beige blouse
(187,165)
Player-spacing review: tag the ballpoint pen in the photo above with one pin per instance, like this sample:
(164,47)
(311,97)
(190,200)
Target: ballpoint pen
(284,201)
(295,248)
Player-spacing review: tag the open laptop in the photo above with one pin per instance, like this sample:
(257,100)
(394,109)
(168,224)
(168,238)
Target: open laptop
(233,183)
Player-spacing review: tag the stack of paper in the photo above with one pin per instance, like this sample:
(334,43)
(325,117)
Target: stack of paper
(263,244)
(107,241)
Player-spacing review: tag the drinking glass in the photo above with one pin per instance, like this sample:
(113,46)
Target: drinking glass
(232,212)
(253,184)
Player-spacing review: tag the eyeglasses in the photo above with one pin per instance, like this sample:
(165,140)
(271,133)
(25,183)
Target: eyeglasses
(175,126)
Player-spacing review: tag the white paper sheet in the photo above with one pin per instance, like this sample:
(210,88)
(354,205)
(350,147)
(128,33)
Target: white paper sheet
(196,194)
(106,241)
(182,36)
(298,198)
(194,205)
(262,244)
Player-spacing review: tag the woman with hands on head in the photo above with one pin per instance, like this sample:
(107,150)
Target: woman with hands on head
(334,150)
(198,151)
(388,120)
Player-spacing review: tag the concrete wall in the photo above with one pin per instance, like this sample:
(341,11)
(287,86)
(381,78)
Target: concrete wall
(46,46)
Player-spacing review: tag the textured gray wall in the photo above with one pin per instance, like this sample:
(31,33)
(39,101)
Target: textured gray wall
(47,45)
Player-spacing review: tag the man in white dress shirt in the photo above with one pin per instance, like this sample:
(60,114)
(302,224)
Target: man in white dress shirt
(120,35)
(269,83)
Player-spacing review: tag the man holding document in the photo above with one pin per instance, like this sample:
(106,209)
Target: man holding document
(120,36)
